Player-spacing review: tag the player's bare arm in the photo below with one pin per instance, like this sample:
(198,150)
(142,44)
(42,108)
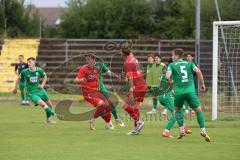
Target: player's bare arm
(112,74)
(80,80)
(16,85)
(168,77)
(200,77)
(43,82)
(170,83)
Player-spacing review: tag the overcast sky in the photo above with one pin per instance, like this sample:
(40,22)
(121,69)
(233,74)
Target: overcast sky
(47,3)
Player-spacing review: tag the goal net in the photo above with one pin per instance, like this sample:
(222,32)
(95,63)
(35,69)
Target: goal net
(226,70)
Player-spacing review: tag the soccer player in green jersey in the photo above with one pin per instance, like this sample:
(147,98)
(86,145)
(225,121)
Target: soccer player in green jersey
(154,72)
(35,89)
(167,100)
(184,89)
(102,88)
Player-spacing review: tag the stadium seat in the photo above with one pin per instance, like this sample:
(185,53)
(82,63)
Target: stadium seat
(11,48)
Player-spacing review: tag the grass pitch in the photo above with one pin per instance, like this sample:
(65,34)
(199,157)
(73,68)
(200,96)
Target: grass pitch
(24,135)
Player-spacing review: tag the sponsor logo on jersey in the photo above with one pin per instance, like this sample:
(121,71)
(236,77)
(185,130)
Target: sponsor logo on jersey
(33,79)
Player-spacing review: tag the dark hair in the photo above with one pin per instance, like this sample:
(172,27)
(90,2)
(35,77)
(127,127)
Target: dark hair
(170,60)
(31,58)
(157,55)
(21,55)
(150,55)
(126,47)
(179,52)
(191,54)
(90,54)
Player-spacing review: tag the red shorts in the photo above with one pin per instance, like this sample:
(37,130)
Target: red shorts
(139,93)
(93,96)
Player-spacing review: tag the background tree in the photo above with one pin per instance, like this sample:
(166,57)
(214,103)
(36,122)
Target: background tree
(108,19)
(164,19)
(20,21)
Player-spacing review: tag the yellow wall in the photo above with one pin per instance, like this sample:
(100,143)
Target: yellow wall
(9,55)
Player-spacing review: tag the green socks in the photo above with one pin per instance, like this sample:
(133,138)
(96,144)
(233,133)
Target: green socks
(114,111)
(49,112)
(23,97)
(180,118)
(155,102)
(200,119)
(171,123)
(172,120)
(52,113)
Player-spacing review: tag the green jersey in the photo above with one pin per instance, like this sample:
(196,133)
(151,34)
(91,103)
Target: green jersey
(32,78)
(164,87)
(154,72)
(182,74)
(102,69)
(149,74)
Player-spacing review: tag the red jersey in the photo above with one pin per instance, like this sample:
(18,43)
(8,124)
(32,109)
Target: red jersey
(91,75)
(133,71)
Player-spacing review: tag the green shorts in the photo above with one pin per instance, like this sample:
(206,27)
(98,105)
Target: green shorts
(167,100)
(22,85)
(190,97)
(38,95)
(154,91)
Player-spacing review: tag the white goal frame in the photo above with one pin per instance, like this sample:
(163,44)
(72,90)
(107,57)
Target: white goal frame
(216,26)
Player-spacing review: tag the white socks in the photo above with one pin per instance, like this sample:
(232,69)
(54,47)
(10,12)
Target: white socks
(203,130)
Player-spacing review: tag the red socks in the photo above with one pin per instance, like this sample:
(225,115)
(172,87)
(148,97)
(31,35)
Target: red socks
(103,110)
(107,117)
(133,113)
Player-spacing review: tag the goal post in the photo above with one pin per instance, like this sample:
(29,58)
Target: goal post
(226,69)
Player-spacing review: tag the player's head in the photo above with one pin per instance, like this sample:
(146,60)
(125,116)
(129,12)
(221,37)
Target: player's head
(177,54)
(90,59)
(126,48)
(189,57)
(158,59)
(21,58)
(150,58)
(31,62)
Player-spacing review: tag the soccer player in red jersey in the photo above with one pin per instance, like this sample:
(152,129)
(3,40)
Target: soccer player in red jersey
(88,79)
(138,87)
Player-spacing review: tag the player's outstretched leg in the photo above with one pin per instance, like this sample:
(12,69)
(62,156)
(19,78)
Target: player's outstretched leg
(134,114)
(179,115)
(53,113)
(116,116)
(201,122)
(171,122)
(48,110)
(108,124)
(106,94)
(103,110)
